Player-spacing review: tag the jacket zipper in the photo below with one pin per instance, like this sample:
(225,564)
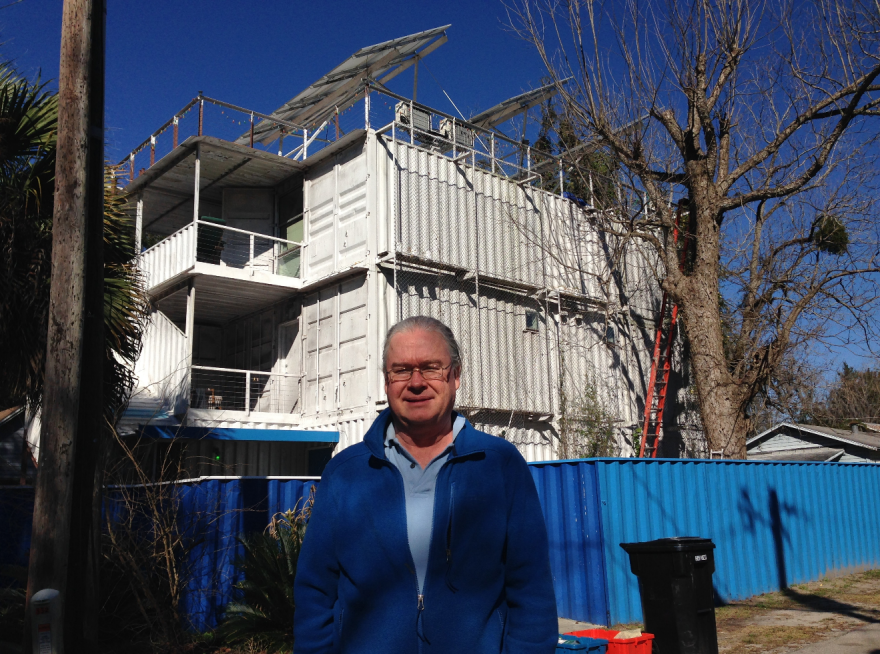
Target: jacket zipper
(420,597)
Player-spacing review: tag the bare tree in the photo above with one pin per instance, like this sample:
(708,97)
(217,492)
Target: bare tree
(762,115)
(852,397)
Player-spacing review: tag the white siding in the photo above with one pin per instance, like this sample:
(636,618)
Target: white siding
(161,369)
(335,347)
(782,442)
(336,215)
(169,257)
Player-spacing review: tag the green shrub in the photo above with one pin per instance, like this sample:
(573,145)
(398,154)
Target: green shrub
(263,608)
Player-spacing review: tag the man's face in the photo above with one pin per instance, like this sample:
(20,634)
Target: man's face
(420,402)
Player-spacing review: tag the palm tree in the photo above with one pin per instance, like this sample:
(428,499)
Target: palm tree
(28,125)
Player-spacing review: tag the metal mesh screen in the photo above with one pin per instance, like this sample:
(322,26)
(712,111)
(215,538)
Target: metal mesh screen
(524,280)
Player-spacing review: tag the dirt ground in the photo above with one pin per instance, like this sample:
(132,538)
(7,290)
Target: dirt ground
(785,621)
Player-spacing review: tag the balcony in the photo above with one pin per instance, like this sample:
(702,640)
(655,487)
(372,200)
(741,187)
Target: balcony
(228,394)
(209,247)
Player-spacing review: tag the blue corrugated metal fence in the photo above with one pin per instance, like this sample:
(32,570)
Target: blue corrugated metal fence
(773,524)
(211,512)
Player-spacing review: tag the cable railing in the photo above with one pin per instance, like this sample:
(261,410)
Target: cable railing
(387,113)
(220,245)
(226,121)
(231,247)
(250,391)
(404,120)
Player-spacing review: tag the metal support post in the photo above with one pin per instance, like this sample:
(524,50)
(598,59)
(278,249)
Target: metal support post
(176,120)
(454,143)
(592,196)
(281,143)
(152,150)
(247,393)
(492,151)
(252,130)
(367,107)
(197,182)
(201,112)
(190,328)
(412,125)
(139,224)
(251,251)
(416,78)
(561,178)
(305,143)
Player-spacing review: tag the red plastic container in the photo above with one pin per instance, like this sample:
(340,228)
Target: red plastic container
(638,645)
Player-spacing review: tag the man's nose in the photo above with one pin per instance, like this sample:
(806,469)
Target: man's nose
(416,381)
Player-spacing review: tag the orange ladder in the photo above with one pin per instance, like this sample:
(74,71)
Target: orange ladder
(661,362)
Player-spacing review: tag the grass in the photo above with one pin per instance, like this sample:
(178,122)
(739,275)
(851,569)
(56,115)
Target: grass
(848,602)
(775,637)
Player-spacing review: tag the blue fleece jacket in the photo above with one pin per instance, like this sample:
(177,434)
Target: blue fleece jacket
(488,587)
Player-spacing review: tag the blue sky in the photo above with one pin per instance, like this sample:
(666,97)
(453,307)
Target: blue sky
(259,54)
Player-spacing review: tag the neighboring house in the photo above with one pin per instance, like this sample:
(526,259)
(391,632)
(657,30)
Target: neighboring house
(274,275)
(791,442)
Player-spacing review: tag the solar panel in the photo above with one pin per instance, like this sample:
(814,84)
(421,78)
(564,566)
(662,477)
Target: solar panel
(511,107)
(339,88)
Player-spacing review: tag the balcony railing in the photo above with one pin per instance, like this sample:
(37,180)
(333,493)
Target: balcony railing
(214,243)
(228,389)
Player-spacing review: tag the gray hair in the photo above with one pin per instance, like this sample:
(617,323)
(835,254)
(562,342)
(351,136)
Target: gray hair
(428,324)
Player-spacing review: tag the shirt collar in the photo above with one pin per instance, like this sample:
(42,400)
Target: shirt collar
(458,422)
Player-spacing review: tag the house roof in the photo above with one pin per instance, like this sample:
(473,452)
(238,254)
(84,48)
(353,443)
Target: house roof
(867,440)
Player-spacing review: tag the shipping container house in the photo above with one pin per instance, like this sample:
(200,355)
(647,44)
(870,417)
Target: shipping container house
(274,276)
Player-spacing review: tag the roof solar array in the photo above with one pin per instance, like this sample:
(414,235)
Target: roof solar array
(338,89)
(511,107)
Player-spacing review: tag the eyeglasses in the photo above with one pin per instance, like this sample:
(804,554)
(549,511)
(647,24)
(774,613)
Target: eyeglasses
(431,372)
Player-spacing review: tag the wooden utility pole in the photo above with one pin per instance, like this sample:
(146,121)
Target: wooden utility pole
(73,385)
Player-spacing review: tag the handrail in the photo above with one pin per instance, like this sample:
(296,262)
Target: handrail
(233,229)
(203,98)
(247,372)
(244,231)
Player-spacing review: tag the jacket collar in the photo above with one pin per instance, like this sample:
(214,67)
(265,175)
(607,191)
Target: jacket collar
(374,439)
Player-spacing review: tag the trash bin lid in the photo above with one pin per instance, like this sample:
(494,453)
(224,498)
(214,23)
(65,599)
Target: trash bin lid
(676,544)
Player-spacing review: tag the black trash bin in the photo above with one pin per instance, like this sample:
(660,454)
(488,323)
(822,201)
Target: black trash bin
(675,582)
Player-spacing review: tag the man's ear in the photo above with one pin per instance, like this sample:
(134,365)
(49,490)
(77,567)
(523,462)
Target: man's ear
(457,374)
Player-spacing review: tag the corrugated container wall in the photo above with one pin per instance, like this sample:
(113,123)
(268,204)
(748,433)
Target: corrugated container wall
(336,208)
(524,282)
(161,369)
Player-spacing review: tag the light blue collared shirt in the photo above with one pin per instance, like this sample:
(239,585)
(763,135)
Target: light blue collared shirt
(418,488)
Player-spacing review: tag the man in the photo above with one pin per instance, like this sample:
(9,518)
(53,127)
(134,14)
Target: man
(427,537)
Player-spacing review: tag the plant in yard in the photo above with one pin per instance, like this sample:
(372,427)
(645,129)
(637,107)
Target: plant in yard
(11,606)
(264,606)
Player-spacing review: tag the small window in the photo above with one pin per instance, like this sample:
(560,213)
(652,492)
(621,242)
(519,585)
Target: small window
(609,335)
(532,321)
